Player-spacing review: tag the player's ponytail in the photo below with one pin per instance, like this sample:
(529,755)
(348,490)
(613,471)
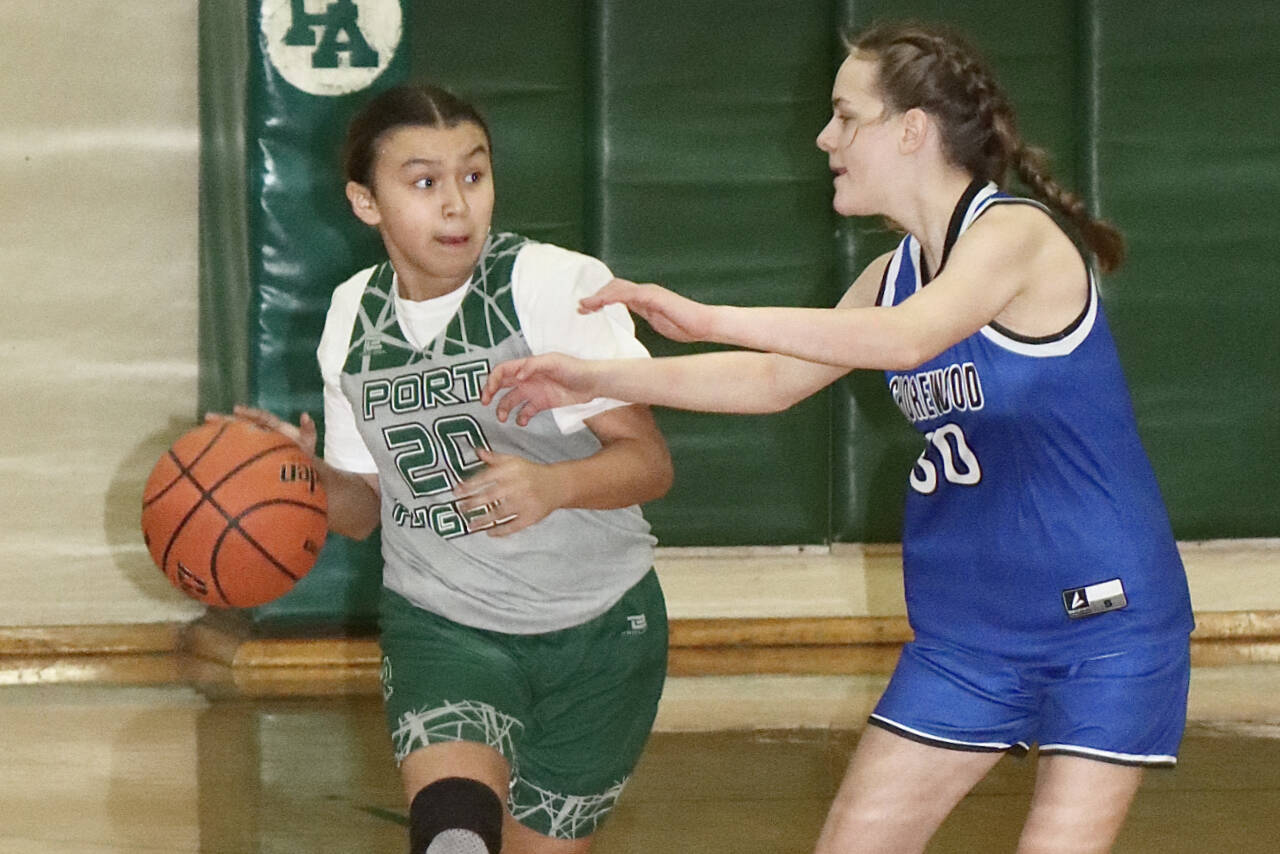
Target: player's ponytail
(1103,239)
(939,72)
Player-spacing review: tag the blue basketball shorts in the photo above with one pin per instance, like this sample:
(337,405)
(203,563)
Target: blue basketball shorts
(1127,707)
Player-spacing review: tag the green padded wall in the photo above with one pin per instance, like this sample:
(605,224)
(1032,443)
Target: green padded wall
(1188,147)
(269,264)
(676,141)
(529,79)
(716,189)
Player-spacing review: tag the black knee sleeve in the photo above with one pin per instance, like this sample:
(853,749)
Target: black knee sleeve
(457,804)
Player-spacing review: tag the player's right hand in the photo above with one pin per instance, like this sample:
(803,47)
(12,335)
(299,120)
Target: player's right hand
(302,434)
(538,383)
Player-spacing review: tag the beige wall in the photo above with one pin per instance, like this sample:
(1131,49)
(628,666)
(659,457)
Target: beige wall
(98,156)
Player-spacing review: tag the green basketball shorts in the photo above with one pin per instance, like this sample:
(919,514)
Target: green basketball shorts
(570,710)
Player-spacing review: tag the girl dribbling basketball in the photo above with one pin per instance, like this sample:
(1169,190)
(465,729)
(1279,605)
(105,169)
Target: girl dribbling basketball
(523,630)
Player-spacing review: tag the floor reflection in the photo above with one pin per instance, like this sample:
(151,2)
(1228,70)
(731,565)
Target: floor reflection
(97,769)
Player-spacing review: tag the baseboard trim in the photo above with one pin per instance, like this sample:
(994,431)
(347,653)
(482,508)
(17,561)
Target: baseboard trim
(227,640)
(118,639)
(221,654)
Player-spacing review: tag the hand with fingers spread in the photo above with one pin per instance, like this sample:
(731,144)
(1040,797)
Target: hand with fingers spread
(511,494)
(460,296)
(671,315)
(539,383)
(353,498)
(303,434)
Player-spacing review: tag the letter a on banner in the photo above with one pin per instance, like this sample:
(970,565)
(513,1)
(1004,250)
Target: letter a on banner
(331,47)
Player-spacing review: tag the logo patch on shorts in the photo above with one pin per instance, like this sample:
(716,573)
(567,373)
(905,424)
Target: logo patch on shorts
(1094,599)
(638,624)
(385,678)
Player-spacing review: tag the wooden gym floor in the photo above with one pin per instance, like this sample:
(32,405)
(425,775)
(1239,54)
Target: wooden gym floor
(94,765)
(179,738)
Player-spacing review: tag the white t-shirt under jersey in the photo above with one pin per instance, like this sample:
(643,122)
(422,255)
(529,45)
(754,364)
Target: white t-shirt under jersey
(546,284)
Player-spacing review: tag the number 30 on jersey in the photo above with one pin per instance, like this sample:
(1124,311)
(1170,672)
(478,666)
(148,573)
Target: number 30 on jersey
(960,465)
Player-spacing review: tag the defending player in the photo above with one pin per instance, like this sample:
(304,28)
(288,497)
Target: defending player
(524,632)
(1043,583)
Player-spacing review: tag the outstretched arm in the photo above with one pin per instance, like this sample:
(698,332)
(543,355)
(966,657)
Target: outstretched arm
(738,381)
(995,261)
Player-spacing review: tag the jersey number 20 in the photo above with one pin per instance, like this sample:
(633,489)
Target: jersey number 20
(420,459)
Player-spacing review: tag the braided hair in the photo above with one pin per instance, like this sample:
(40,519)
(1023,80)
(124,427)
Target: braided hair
(939,72)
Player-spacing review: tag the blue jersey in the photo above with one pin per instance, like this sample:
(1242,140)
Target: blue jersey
(1034,527)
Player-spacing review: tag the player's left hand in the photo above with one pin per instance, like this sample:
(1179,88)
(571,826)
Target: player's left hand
(539,383)
(513,492)
(671,315)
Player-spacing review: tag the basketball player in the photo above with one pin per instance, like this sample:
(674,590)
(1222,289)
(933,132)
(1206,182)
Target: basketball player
(1047,596)
(523,630)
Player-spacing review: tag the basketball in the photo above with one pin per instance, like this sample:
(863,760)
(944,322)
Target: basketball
(234,514)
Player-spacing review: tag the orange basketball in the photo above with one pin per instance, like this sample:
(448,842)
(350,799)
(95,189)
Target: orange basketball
(234,514)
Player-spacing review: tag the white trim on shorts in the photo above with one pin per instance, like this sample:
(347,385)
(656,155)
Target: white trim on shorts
(1156,759)
(945,743)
